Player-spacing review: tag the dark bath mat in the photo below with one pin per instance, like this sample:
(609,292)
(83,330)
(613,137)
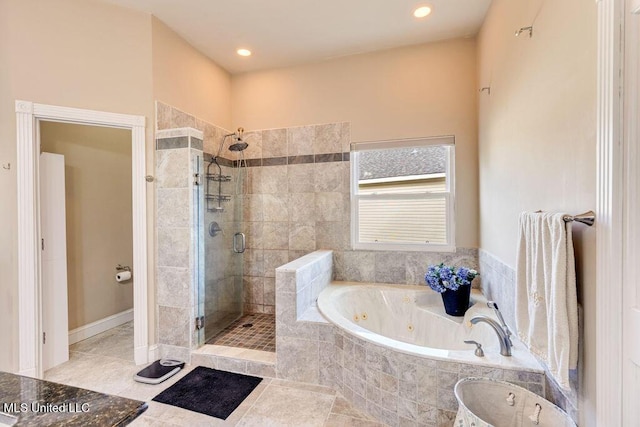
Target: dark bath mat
(209,391)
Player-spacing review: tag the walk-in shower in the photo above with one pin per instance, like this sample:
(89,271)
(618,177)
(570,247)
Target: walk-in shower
(220,290)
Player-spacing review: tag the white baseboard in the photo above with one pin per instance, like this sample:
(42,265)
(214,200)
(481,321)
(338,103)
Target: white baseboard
(154,353)
(94,328)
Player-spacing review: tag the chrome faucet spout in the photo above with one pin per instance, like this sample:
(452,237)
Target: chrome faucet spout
(505,341)
(494,306)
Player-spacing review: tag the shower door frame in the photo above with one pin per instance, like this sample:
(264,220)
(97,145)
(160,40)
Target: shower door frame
(28,115)
(238,206)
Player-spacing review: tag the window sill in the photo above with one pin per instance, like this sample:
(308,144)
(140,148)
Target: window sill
(403,247)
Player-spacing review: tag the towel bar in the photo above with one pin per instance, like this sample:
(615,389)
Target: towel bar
(588,218)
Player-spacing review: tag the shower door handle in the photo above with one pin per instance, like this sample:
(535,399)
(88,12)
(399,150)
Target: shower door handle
(242,243)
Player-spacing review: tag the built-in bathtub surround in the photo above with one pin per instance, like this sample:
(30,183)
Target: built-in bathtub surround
(394,387)
(498,284)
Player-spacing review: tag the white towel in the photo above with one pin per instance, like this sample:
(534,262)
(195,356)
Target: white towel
(546,298)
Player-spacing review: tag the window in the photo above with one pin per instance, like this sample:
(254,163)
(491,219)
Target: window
(402,194)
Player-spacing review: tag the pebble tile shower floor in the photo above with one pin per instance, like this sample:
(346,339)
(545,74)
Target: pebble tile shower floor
(261,335)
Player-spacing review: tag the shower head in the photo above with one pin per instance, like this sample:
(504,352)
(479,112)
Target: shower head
(240,145)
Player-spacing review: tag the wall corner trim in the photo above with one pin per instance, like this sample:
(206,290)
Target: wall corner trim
(609,225)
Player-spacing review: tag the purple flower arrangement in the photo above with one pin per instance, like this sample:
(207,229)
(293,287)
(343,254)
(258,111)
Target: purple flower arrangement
(443,277)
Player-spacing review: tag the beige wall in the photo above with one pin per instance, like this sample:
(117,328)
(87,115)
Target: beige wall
(415,91)
(75,53)
(186,79)
(537,136)
(99,223)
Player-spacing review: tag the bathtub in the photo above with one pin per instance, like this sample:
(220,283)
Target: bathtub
(411,320)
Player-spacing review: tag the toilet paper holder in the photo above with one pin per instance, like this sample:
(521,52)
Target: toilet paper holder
(121,268)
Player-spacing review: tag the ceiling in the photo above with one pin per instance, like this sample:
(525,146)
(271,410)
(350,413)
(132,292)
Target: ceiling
(288,32)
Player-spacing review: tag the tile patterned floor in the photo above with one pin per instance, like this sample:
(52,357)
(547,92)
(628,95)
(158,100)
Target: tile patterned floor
(116,342)
(97,365)
(260,336)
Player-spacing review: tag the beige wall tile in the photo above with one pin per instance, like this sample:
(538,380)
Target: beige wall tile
(300,140)
(274,143)
(301,178)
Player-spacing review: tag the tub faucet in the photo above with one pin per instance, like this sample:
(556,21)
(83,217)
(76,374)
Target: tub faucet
(494,306)
(505,342)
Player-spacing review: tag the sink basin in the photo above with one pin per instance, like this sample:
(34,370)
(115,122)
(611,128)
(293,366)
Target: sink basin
(484,402)
(7,419)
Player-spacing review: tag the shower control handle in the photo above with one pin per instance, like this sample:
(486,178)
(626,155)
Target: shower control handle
(242,239)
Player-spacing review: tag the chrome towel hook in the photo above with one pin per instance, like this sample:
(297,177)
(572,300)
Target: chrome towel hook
(525,29)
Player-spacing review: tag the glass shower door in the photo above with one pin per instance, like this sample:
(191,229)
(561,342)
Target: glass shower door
(220,301)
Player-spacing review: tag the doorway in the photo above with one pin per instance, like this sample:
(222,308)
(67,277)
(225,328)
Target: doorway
(30,298)
(90,238)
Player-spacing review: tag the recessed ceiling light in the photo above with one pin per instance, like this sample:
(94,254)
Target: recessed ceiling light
(422,11)
(244,52)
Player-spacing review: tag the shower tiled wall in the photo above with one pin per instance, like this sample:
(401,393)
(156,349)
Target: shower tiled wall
(296,201)
(177,154)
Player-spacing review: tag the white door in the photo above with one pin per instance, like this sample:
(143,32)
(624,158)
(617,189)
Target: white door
(55,322)
(631,301)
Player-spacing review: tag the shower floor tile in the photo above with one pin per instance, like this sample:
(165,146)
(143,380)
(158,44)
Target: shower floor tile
(260,336)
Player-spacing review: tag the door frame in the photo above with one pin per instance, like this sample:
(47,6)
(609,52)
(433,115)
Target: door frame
(28,114)
(616,194)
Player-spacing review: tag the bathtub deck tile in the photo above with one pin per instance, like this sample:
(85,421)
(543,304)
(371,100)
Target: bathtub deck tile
(326,333)
(373,377)
(338,340)
(374,394)
(427,394)
(427,376)
(359,386)
(389,364)
(408,409)
(447,380)
(407,371)
(493,373)
(408,390)
(339,357)
(374,358)
(470,371)
(360,402)
(389,401)
(427,414)
(448,366)
(447,400)
(389,383)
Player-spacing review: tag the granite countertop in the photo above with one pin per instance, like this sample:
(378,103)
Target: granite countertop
(38,403)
